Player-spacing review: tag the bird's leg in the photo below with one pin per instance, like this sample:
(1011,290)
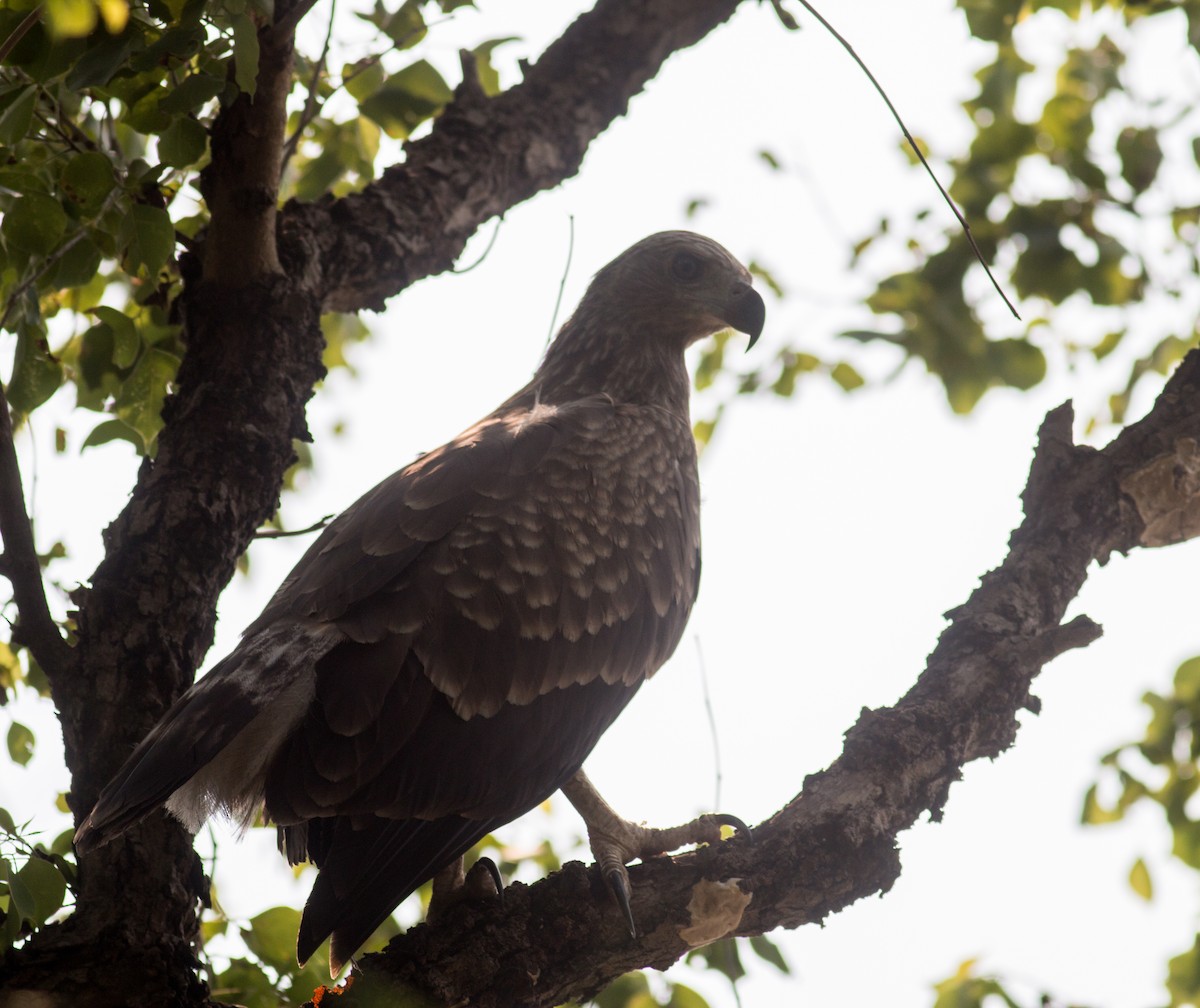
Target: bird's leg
(452,885)
(616,841)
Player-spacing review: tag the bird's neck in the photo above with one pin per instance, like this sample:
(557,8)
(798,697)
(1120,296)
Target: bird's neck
(631,367)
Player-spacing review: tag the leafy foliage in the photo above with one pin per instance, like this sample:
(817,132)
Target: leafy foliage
(34,879)
(1066,187)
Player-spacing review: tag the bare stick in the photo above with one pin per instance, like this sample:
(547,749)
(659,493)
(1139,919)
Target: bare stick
(284,533)
(917,150)
(36,629)
(563,282)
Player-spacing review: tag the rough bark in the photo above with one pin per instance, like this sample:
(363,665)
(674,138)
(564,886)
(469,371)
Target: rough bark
(487,155)
(836,842)
(253,355)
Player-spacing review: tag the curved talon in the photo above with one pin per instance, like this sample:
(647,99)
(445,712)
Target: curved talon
(723,819)
(618,884)
(489,866)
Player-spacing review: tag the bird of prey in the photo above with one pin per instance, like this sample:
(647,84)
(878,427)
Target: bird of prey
(450,649)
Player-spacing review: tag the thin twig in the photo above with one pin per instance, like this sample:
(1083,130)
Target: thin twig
(486,251)
(311,106)
(287,24)
(712,726)
(916,150)
(563,282)
(37,629)
(284,534)
(18,33)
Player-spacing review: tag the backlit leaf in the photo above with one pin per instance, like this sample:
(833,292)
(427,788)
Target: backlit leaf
(182,143)
(245,53)
(38,890)
(15,121)
(142,395)
(147,237)
(36,375)
(1139,880)
(272,937)
(86,180)
(34,223)
(20,743)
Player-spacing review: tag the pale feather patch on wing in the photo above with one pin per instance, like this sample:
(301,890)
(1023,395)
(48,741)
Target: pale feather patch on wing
(231,783)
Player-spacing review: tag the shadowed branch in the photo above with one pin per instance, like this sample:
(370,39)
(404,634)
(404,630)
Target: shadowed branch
(36,628)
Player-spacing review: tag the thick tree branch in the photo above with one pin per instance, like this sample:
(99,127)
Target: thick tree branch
(19,561)
(835,843)
(486,155)
(241,183)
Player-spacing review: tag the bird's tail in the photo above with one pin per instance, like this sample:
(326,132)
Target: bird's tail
(209,748)
(368,867)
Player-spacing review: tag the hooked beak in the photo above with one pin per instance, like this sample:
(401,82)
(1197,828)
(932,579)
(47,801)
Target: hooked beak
(746,312)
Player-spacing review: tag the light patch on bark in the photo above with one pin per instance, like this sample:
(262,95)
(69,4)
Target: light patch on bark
(1166,492)
(716,909)
(28,999)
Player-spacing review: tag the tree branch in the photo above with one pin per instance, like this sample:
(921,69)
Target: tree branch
(36,628)
(486,155)
(836,842)
(241,183)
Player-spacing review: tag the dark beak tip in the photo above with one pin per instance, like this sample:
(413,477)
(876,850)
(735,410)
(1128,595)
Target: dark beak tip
(749,315)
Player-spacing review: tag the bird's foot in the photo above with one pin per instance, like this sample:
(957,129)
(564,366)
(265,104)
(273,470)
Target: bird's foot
(616,841)
(452,885)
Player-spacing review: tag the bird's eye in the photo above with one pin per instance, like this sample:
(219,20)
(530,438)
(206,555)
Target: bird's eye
(686,267)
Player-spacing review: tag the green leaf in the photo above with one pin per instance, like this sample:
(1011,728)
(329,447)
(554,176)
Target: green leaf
(105,55)
(36,375)
(34,223)
(364,78)
(78,265)
(1017,362)
(1095,814)
(990,20)
(142,395)
(20,743)
(192,93)
(846,376)
(86,180)
(489,79)
(1183,975)
(1187,681)
(1108,344)
(147,237)
(112,430)
(126,340)
(247,984)
(15,121)
(407,99)
(1139,880)
(182,143)
(37,890)
(245,53)
(723,956)
(405,27)
(1141,156)
(767,950)
(271,936)
(685,997)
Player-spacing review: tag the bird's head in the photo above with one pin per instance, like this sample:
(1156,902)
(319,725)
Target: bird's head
(680,287)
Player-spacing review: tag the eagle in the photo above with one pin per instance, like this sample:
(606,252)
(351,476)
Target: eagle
(449,650)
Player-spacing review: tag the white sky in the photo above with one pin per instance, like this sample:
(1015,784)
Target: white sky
(837,528)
